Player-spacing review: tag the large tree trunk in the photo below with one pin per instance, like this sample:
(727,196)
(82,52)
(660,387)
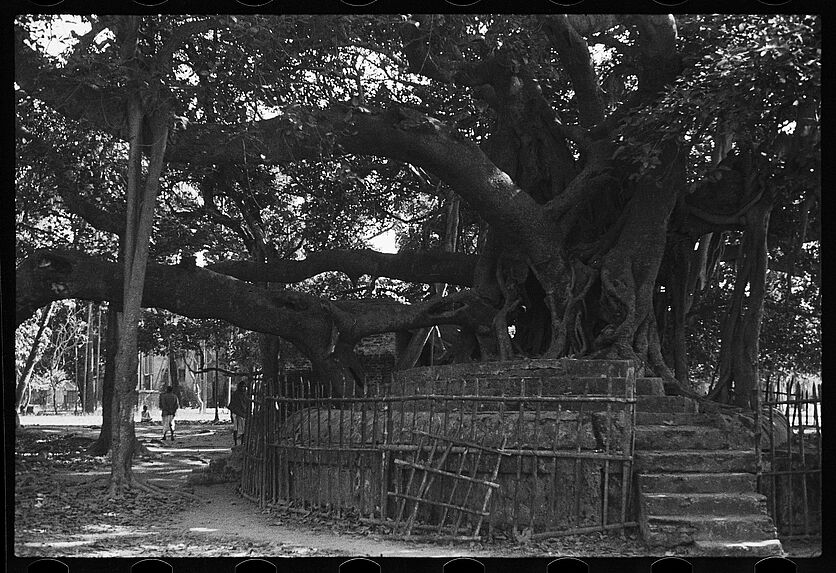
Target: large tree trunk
(738,363)
(630,268)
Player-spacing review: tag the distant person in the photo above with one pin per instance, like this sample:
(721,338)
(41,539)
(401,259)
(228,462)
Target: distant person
(168,406)
(238,411)
(146,415)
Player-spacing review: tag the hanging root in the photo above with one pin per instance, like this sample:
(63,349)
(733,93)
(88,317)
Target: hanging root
(576,297)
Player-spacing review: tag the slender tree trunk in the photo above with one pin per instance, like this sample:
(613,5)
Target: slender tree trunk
(200,381)
(89,380)
(98,378)
(29,366)
(84,375)
(141,202)
(174,379)
(80,387)
(102,445)
(215,383)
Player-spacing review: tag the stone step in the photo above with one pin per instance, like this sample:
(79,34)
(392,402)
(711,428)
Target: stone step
(614,368)
(672,530)
(527,368)
(522,386)
(697,482)
(666,404)
(715,504)
(723,461)
(663,437)
(676,419)
(763,548)
(498,386)
(650,387)
(672,389)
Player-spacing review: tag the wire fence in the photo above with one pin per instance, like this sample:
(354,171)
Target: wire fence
(789,447)
(536,454)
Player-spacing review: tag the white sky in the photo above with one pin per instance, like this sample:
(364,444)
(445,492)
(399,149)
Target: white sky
(385,242)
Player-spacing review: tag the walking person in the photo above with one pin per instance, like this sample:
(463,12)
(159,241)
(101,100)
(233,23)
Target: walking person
(168,406)
(238,411)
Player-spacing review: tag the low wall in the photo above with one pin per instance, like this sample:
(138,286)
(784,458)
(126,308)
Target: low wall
(537,489)
(564,428)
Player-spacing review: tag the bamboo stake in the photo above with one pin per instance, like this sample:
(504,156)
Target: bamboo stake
(805,509)
(361,466)
(489,491)
(790,450)
(423,491)
(535,477)
(607,448)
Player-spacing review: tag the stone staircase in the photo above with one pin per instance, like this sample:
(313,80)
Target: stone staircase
(695,478)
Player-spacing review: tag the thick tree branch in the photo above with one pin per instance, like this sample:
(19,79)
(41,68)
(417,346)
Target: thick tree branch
(462,165)
(304,320)
(86,40)
(657,64)
(67,188)
(417,51)
(593,175)
(732,220)
(454,268)
(67,94)
(724,202)
(574,53)
(397,133)
(179,35)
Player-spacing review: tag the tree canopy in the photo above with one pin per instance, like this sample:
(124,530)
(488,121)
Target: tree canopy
(616,186)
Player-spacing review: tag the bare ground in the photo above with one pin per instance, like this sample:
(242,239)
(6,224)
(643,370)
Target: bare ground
(61,506)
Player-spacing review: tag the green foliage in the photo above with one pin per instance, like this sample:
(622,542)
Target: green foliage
(744,76)
(791,338)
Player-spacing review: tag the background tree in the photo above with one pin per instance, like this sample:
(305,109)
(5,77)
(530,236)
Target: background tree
(33,354)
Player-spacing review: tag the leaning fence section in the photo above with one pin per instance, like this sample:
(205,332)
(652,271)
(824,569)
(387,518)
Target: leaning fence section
(789,445)
(531,453)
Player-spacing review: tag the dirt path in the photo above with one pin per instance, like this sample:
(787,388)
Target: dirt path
(58,514)
(224,514)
